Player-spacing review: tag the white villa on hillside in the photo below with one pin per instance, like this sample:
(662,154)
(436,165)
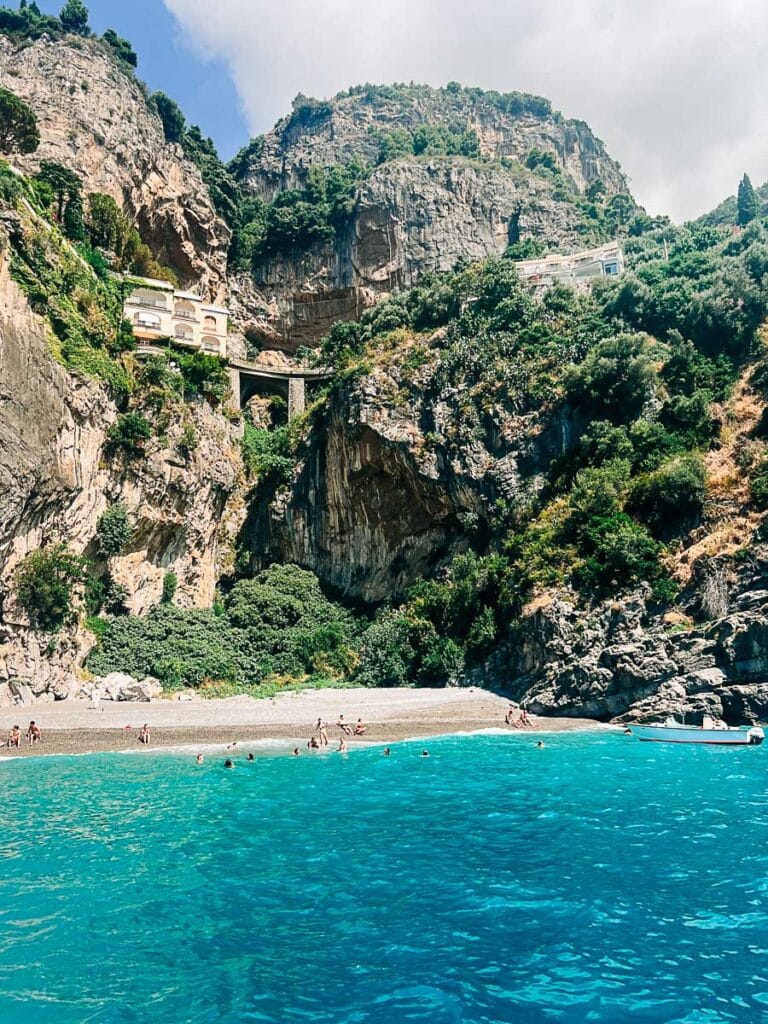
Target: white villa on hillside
(157,311)
(576,270)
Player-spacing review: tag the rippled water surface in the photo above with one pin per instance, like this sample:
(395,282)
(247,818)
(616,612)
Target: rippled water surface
(599,879)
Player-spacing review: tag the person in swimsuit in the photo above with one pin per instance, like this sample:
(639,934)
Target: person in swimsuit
(199,759)
(387,752)
(144,735)
(342,746)
(359,727)
(322,731)
(312,743)
(33,734)
(250,757)
(229,763)
(343,726)
(296,751)
(425,753)
(14,738)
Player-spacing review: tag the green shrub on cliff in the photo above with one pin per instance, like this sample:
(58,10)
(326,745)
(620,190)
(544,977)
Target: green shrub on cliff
(18,125)
(113,530)
(44,583)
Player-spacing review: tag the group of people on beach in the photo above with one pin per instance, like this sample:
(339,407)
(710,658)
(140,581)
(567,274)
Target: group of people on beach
(521,722)
(319,737)
(318,740)
(34,735)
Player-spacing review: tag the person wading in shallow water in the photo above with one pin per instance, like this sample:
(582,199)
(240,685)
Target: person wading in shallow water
(342,746)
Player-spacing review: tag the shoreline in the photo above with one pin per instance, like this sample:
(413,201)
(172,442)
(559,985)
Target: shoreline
(283,722)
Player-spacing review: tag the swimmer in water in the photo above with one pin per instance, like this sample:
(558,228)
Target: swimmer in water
(387,751)
(425,753)
(250,757)
(229,763)
(199,759)
(296,751)
(540,745)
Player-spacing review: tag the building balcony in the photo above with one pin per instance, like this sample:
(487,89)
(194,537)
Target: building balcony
(147,304)
(182,314)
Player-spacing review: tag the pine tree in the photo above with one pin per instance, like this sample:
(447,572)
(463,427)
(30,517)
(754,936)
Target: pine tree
(74,17)
(747,203)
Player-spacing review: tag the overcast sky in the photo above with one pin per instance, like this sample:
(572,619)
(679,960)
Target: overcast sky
(677,89)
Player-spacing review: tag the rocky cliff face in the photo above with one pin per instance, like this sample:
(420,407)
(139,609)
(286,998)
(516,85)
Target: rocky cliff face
(57,480)
(626,661)
(413,215)
(94,119)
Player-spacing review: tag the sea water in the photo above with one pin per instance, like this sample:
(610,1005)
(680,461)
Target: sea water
(597,879)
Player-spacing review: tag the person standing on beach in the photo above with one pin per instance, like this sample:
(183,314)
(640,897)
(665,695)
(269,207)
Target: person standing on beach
(322,731)
(144,734)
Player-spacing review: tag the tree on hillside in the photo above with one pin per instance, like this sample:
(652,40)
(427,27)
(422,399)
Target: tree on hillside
(122,47)
(18,125)
(65,184)
(747,203)
(74,18)
(173,120)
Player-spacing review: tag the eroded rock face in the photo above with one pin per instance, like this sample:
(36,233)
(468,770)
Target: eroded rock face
(94,119)
(623,661)
(55,482)
(413,215)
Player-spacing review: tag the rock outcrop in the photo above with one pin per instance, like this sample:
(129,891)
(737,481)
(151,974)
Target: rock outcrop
(94,118)
(624,660)
(56,480)
(417,214)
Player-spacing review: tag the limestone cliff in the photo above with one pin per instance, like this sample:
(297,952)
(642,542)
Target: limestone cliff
(56,480)
(94,118)
(415,214)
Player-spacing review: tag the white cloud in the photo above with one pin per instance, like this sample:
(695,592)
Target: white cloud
(676,88)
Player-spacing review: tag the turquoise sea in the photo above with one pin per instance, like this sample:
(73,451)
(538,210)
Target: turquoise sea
(598,879)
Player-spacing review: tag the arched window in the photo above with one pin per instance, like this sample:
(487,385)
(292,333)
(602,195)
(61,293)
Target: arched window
(184,309)
(211,344)
(184,333)
(209,324)
(148,299)
(147,321)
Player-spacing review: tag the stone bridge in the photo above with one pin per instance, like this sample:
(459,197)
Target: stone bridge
(250,379)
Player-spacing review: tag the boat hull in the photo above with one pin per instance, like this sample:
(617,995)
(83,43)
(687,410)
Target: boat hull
(714,737)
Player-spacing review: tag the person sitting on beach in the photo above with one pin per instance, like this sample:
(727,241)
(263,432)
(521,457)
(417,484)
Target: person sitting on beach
(359,727)
(296,751)
(322,731)
(14,737)
(144,735)
(229,763)
(343,726)
(342,746)
(34,735)
(525,721)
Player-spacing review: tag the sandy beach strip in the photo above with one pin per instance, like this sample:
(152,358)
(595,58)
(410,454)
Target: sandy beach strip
(74,727)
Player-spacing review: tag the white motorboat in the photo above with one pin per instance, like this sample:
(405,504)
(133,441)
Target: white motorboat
(710,731)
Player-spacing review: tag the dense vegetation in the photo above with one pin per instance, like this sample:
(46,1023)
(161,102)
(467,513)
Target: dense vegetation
(635,368)
(276,626)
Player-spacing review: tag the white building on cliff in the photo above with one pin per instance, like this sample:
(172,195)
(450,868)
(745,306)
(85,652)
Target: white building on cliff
(157,311)
(578,269)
